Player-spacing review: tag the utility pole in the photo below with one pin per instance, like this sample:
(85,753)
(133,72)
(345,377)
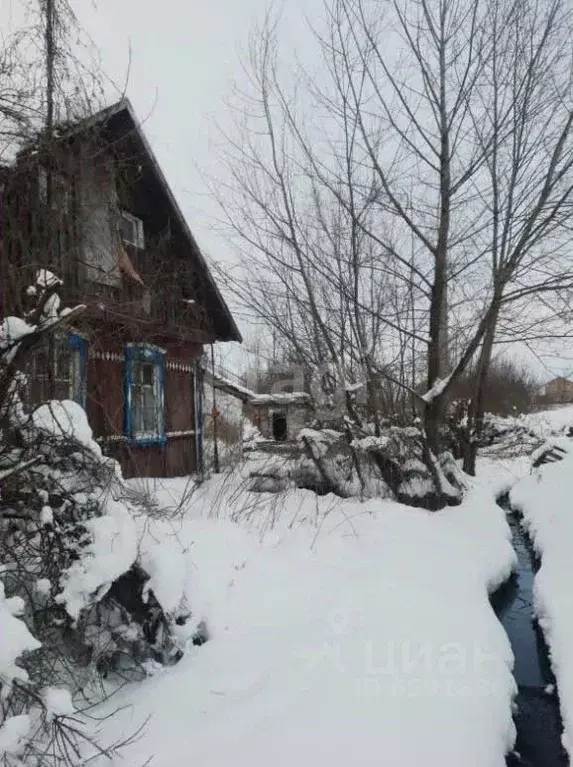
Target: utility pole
(50,52)
(215,416)
(50,60)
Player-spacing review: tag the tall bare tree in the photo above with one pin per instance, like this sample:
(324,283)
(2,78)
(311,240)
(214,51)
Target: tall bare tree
(395,207)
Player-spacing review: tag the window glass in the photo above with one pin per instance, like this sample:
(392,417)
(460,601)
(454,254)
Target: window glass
(145,401)
(56,370)
(131,229)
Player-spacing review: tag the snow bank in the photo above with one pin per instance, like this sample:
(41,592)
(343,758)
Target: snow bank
(350,632)
(545,498)
(14,735)
(65,419)
(550,421)
(110,553)
(15,639)
(540,425)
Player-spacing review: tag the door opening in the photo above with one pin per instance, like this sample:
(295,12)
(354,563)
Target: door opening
(279,424)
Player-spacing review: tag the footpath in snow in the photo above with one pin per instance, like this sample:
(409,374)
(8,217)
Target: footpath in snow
(345,632)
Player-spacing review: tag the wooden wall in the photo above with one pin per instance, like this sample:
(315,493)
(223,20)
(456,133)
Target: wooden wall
(105,410)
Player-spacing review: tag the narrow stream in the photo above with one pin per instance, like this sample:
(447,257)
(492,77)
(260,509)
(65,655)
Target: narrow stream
(537,716)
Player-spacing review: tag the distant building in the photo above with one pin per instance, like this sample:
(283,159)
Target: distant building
(558,391)
(279,416)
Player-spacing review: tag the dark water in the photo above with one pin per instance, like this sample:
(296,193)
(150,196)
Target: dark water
(537,716)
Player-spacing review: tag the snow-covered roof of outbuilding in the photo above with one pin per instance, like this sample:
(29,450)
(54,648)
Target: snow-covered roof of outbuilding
(281,398)
(248,395)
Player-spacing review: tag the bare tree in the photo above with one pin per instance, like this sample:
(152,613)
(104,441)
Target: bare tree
(392,210)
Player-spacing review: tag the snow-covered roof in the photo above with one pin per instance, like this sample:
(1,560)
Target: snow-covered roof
(248,395)
(281,398)
(230,387)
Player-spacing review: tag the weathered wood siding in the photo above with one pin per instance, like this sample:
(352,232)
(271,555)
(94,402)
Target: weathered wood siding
(106,410)
(98,222)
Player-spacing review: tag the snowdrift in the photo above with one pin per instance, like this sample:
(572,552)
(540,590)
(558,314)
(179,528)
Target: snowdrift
(544,497)
(340,631)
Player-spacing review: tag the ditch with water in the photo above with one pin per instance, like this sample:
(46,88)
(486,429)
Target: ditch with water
(537,717)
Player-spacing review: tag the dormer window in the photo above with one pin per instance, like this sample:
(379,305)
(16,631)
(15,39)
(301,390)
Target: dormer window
(131,230)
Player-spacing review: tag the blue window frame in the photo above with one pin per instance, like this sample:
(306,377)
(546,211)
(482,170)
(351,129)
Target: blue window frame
(78,349)
(144,390)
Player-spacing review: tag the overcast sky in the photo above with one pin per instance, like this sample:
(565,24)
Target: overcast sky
(183,56)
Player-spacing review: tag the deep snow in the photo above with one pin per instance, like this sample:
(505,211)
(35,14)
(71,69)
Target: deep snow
(545,499)
(346,631)
(338,630)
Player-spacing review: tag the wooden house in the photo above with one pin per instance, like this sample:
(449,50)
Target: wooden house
(94,207)
(558,391)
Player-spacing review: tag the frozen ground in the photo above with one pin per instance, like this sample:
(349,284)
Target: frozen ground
(554,420)
(344,632)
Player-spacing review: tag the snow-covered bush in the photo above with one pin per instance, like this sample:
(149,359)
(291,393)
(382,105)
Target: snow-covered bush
(251,435)
(70,543)
(80,603)
(524,434)
(395,465)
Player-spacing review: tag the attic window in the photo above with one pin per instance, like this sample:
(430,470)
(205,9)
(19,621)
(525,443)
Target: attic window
(131,230)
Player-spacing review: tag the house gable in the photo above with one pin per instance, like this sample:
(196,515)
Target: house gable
(120,242)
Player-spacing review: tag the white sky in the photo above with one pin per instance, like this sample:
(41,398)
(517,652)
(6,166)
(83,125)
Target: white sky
(185,55)
(184,59)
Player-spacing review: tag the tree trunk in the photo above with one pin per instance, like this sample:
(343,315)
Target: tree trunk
(432,421)
(476,408)
(443,339)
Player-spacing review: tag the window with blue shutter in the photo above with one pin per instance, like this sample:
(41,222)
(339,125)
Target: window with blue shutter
(144,385)
(78,351)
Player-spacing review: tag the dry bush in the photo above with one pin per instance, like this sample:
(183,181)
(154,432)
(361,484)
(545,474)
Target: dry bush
(510,388)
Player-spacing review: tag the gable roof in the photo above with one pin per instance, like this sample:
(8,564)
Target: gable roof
(228,330)
(254,398)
